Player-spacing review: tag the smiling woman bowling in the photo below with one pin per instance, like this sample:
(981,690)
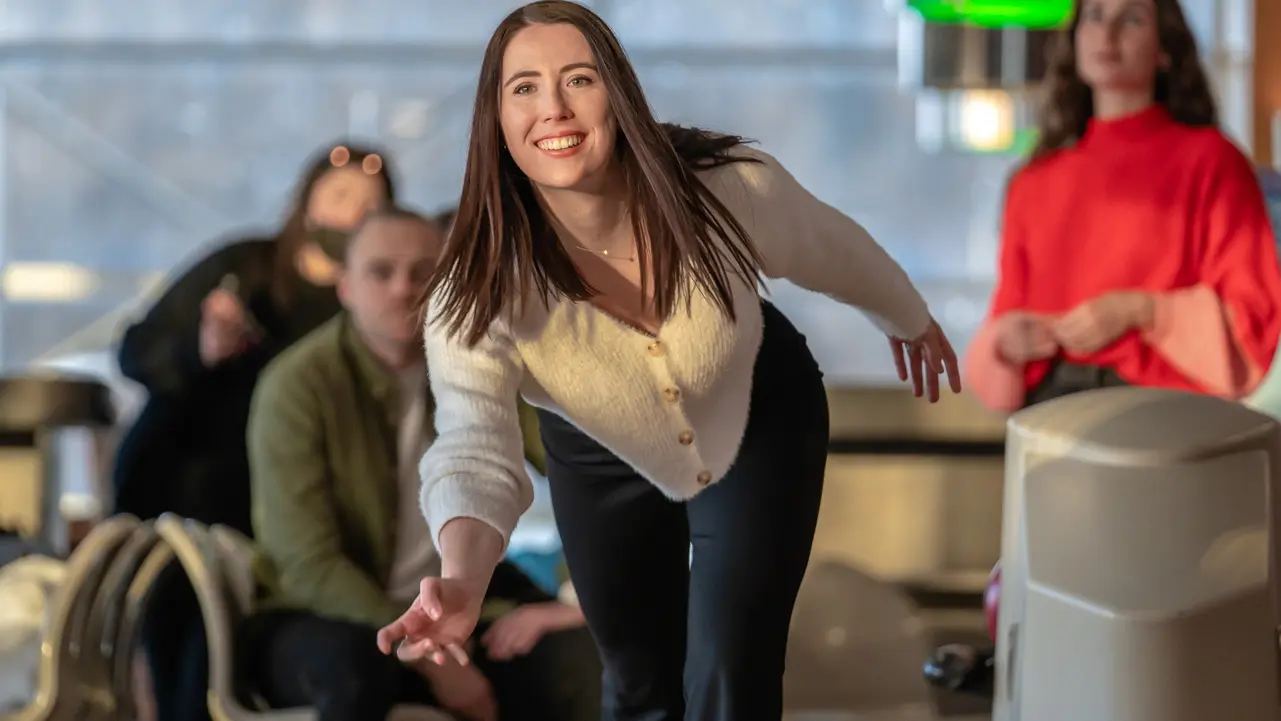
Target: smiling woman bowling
(607,267)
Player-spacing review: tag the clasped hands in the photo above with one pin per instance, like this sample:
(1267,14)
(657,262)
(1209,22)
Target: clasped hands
(1023,337)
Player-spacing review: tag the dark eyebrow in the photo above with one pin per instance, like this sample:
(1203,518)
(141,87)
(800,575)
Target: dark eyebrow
(534,73)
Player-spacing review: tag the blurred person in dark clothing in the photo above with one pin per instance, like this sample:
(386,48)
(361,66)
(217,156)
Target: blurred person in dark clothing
(199,348)
(337,426)
(198,352)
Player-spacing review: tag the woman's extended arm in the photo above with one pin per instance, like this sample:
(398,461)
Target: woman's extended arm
(804,240)
(474,485)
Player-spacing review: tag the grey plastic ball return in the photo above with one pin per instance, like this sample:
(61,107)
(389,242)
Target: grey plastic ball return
(1138,561)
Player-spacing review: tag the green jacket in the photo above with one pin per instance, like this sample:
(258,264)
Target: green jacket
(323,462)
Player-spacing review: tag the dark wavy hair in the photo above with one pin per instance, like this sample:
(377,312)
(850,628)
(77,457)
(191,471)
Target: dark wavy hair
(1181,87)
(293,233)
(503,250)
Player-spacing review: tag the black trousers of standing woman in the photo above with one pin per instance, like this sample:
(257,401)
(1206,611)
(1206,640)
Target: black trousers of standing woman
(705,642)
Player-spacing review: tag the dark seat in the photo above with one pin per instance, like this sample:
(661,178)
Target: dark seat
(30,401)
(35,407)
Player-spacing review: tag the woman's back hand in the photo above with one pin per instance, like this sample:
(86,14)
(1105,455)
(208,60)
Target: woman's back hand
(224,329)
(924,359)
(439,622)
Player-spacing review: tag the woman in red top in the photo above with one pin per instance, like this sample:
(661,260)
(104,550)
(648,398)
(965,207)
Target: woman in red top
(1136,247)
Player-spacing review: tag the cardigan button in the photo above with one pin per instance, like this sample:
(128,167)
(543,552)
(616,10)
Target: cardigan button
(686,438)
(671,395)
(704,478)
(656,349)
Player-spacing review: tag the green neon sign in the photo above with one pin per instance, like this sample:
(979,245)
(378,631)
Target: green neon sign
(1031,14)
(1025,142)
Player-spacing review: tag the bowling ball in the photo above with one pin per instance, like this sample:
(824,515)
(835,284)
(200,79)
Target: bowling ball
(992,601)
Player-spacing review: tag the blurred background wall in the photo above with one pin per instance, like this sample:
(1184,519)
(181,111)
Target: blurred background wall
(133,132)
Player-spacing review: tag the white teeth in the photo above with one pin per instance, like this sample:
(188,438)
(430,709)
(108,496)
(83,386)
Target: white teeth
(562,143)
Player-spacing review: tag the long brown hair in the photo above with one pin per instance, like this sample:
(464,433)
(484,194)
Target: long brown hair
(503,250)
(294,233)
(1181,87)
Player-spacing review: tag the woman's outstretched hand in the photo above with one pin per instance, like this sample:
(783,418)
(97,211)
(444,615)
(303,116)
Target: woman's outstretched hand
(924,359)
(439,622)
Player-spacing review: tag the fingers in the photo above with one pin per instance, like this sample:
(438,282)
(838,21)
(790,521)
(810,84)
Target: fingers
(502,647)
(1078,322)
(501,636)
(1075,331)
(223,306)
(226,334)
(392,633)
(222,325)
(423,648)
(495,640)
(410,625)
(951,366)
(437,653)
(429,598)
(510,644)
(408,650)
(917,363)
(526,644)
(459,654)
(1044,349)
(900,364)
(933,364)
(503,652)
(933,343)
(927,358)
(932,386)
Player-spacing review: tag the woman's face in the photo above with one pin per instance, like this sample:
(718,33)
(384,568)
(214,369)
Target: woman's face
(342,196)
(554,109)
(1118,44)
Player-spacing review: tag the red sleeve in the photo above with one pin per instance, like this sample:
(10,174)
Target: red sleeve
(1223,332)
(1011,280)
(998,384)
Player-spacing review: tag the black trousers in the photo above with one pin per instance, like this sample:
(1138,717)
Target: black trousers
(296,658)
(705,642)
(1065,379)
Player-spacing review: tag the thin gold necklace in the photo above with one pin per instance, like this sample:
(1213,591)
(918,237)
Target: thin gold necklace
(607,255)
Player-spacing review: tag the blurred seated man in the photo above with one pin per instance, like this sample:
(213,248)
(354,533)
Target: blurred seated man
(336,429)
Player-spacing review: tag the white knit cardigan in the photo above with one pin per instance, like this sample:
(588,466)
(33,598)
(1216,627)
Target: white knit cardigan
(673,406)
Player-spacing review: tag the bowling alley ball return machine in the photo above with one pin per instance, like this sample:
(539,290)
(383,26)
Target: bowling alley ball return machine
(1138,577)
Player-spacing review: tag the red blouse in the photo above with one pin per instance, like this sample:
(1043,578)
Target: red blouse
(1141,203)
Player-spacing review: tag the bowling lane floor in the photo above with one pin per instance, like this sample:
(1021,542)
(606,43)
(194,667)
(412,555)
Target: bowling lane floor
(885,631)
(858,645)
